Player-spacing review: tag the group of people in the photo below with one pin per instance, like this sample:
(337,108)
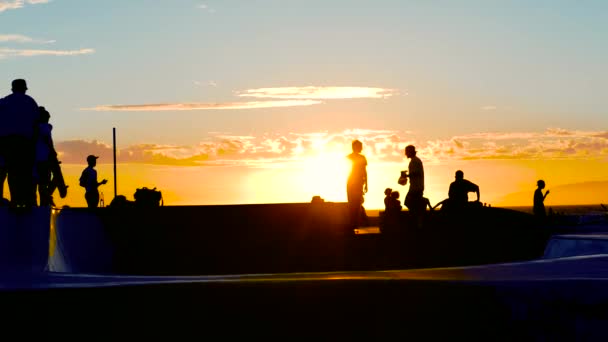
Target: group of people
(414,199)
(26,147)
(28,159)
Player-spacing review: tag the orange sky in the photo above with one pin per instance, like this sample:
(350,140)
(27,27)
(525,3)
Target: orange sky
(502,183)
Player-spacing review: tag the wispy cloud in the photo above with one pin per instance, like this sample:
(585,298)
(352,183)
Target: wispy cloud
(283,97)
(16,4)
(489,108)
(18,38)
(6,52)
(325,93)
(203,106)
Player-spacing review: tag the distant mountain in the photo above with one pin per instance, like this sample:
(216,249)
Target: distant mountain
(567,194)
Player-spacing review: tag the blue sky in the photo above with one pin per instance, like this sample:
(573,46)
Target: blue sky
(450,68)
(539,64)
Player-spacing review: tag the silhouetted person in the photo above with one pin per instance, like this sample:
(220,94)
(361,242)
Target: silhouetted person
(539,200)
(356,185)
(394,203)
(88,180)
(414,200)
(459,189)
(45,152)
(387,198)
(18,118)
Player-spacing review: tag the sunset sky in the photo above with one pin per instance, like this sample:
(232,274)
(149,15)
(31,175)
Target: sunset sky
(224,102)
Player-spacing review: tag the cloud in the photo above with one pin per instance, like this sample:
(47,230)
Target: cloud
(318,93)
(204,106)
(554,143)
(382,146)
(16,4)
(488,108)
(284,97)
(18,38)
(8,5)
(6,53)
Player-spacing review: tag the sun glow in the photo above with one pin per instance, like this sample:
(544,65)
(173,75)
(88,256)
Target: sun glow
(325,175)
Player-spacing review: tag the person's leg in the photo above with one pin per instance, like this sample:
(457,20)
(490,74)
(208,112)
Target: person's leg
(354,195)
(416,205)
(20,171)
(92,198)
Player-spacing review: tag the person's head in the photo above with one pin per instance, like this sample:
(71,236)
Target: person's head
(92,160)
(19,86)
(388,191)
(44,115)
(541,184)
(459,175)
(410,151)
(395,194)
(357,146)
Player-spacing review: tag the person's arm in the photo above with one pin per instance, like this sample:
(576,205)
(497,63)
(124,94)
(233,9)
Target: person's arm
(545,196)
(97,184)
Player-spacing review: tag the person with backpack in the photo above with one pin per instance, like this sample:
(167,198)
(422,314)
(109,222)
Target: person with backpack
(88,180)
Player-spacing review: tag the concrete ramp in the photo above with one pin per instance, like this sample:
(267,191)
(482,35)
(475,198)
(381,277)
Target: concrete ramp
(560,246)
(80,243)
(24,239)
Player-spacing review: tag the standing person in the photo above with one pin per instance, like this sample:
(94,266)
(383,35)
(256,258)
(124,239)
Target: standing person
(356,185)
(45,152)
(539,200)
(88,180)
(414,200)
(18,118)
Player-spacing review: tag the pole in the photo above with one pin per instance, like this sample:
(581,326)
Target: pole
(114,151)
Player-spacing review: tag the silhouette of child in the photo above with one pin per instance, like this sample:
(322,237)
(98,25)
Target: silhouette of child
(395,204)
(387,198)
(539,199)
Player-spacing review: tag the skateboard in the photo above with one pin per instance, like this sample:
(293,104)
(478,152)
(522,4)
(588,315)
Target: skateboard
(57,181)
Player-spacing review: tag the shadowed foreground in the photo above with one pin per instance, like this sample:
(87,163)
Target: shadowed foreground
(276,238)
(560,299)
